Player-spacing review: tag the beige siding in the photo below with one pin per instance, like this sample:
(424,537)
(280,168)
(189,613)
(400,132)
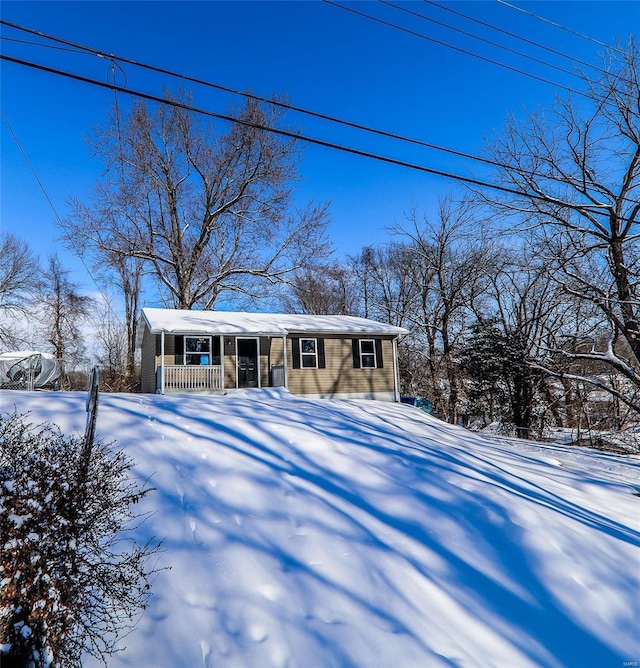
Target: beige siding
(265,357)
(270,356)
(151,355)
(169,350)
(148,362)
(339,376)
(276,358)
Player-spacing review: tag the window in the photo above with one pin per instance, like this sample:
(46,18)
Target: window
(367,354)
(201,350)
(197,350)
(309,353)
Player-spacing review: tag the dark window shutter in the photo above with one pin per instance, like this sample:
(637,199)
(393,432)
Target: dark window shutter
(178,349)
(321,362)
(379,360)
(356,353)
(295,353)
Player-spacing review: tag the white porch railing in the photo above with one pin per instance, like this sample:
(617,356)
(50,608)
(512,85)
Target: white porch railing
(187,378)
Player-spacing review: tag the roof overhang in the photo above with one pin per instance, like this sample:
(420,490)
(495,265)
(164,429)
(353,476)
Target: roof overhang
(232,323)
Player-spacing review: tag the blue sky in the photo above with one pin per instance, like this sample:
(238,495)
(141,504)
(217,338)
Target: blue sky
(324,58)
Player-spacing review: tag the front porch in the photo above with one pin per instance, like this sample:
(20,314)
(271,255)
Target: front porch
(187,363)
(185,378)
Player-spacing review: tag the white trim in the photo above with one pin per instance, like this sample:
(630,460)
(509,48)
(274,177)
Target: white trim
(201,336)
(314,354)
(375,357)
(257,340)
(162,363)
(396,373)
(221,337)
(284,361)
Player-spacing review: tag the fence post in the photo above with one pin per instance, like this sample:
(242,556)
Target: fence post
(92,408)
(31,373)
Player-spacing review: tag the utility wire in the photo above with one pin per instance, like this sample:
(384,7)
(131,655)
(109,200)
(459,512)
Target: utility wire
(53,208)
(31,167)
(91,51)
(32,43)
(559,25)
(454,48)
(247,95)
(584,63)
(79,48)
(480,39)
(258,98)
(297,136)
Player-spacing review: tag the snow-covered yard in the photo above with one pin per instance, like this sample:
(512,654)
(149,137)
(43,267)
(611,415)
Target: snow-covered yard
(311,534)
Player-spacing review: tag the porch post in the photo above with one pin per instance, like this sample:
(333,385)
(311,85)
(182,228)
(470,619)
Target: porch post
(258,361)
(161,362)
(284,360)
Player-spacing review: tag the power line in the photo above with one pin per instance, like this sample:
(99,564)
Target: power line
(478,38)
(559,25)
(80,48)
(258,98)
(454,48)
(299,137)
(53,208)
(30,165)
(32,43)
(76,47)
(518,37)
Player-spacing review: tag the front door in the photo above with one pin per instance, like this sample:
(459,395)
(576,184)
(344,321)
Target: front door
(247,356)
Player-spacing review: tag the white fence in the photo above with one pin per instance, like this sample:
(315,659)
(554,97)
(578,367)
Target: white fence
(187,378)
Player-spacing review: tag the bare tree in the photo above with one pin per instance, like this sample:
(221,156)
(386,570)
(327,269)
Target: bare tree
(207,213)
(525,313)
(385,282)
(577,172)
(63,310)
(447,269)
(321,290)
(126,274)
(112,349)
(19,280)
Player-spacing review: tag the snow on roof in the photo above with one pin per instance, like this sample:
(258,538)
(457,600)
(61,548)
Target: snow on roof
(267,324)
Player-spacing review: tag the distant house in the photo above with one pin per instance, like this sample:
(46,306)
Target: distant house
(312,355)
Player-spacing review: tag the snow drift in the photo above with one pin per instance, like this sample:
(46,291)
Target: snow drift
(312,534)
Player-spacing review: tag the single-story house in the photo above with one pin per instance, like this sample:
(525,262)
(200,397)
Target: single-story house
(312,355)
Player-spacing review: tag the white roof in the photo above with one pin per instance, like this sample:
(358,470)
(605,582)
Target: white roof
(174,321)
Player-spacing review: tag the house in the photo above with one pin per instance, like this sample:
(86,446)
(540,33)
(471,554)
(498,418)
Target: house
(312,355)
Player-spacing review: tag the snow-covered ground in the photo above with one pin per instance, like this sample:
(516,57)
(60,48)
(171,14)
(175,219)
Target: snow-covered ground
(312,534)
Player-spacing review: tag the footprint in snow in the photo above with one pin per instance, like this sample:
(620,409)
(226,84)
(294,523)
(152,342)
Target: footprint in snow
(258,632)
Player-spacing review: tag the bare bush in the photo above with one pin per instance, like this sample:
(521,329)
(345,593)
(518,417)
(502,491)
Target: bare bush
(72,579)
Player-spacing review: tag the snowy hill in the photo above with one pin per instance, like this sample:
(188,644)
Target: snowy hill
(312,534)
